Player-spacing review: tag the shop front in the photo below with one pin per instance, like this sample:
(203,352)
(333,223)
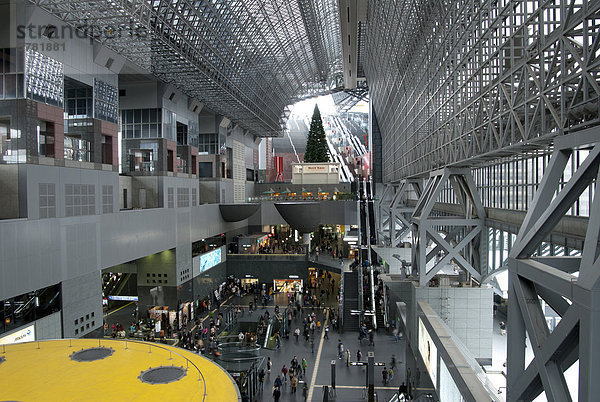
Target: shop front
(288,285)
(248,282)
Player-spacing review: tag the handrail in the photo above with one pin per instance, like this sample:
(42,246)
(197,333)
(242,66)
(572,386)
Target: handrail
(373,306)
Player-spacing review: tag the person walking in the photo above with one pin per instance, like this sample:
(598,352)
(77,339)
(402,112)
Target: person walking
(326,332)
(284,372)
(502,328)
(277,383)
(340,349)
(347,357)
(371,341)
(297,333)
(276,394)
(304,364)
(269,364)
(294,384)
(384,375)
(403,390)
(358,355)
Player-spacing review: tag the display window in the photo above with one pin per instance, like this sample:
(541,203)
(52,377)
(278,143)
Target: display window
(288,285)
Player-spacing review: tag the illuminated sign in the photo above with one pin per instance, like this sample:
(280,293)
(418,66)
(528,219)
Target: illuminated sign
(123,298)
(26,334)
(210,259)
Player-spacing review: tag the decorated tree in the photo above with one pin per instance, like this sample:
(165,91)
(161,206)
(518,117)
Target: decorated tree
(316,144)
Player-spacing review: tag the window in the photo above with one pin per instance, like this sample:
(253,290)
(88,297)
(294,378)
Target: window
(141,123)
(183,197)
(170,198)
(80,199)
(47,200)
(107,199)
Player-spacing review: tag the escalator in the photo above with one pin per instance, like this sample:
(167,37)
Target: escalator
(351,321)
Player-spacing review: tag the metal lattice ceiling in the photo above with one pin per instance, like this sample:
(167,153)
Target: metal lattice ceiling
(246,60)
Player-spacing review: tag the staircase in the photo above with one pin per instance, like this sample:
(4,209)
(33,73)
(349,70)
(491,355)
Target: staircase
(351,322)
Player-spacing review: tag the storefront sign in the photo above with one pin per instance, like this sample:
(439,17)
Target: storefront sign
(26,334)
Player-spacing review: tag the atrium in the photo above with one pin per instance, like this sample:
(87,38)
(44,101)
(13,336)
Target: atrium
(352,200)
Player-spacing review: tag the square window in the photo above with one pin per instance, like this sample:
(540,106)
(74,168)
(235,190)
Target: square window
(87,316)
(76,322)
(76,331)
(92,315)
(81,329)
(87,326)
(93,324)
(81,319)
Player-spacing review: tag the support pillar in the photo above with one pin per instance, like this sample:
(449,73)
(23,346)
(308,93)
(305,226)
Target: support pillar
(576,298)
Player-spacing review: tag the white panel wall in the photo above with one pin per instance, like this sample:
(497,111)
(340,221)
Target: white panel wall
(467,311)
(39,253)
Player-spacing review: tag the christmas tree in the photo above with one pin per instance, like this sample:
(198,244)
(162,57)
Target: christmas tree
(316,144)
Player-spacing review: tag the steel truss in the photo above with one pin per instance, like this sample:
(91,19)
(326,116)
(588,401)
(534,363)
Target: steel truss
(394,212)
(246,60)
(574,297)
(465,240)
(460,81)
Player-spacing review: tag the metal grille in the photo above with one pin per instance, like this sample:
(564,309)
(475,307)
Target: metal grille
(461,81)
(246,60)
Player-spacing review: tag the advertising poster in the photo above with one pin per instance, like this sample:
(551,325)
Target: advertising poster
(428,352)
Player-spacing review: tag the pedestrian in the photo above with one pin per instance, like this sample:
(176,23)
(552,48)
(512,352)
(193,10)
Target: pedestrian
(326,331)
(340,349)
(347,357)
(395,333)
(371,341)
(502,328)
(305,390)
(294,384)
(384,374)
(403,390)
(390,374)
(294,362)
(297,333)
(269,365)
(304,364)
(276,394)
(277,383)
(284,372)
(393,362)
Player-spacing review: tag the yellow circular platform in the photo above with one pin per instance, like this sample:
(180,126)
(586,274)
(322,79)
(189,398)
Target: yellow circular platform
(48,373)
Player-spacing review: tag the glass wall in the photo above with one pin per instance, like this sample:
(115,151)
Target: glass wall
(511,183)
(141,123)
(23,309)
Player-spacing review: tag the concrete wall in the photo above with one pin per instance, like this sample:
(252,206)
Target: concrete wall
(31,176)
(82,304)
(38,253)
(49,327)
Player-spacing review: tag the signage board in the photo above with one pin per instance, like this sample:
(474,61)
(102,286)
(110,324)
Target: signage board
(26,334)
